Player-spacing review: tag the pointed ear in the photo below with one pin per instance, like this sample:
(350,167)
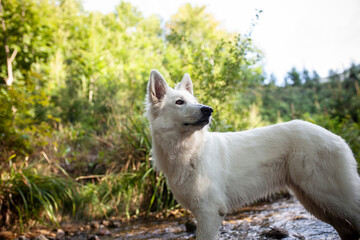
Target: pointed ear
(185,84)
(157,87)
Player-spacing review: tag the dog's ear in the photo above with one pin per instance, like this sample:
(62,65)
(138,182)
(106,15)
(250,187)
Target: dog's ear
(157,87)
(185,84)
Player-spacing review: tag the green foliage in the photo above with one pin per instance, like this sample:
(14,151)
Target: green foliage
(113,195)
(219,63)
(26,37)
(294,77)
(27,194)
(338,96)
(27,29)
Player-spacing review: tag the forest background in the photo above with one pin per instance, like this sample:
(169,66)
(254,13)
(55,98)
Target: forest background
(74,142)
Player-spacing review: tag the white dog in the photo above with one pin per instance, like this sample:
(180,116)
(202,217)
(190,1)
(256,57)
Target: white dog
(213,173)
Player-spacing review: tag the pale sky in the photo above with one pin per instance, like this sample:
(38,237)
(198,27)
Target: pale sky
(313,34)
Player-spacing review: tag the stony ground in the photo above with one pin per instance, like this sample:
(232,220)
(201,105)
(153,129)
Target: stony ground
(283,219)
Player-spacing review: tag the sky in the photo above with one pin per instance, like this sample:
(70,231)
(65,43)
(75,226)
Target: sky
(314,34)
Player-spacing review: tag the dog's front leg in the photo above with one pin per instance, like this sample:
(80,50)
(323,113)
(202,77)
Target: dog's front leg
(208,224)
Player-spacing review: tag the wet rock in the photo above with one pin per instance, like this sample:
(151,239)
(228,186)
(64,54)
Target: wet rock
(104,232)
(190,226)
(80,235)
(101,227)
(109,224)
(116,224)
(60,234)
(93,237)
(106,223)
(275,233)
(40,237)
(94,224)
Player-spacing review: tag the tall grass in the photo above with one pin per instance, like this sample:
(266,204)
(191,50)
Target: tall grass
(126,186)
(113,195)
(130,185)
(27,194)
(151,190)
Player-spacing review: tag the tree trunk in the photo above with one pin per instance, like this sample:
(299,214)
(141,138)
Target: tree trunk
(91,89)
(9,58)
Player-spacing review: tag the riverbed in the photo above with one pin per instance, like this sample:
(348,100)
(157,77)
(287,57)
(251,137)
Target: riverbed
(282,219)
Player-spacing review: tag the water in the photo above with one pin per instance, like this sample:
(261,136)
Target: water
(286,216)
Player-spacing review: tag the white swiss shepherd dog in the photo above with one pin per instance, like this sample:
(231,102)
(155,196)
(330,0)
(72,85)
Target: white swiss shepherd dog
(212,173)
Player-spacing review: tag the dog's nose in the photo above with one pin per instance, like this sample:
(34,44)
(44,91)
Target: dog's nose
(206,110)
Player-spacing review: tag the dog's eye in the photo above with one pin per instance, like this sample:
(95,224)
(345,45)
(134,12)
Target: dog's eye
(179,102)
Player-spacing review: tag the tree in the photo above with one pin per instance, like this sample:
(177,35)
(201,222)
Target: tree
(272,80)
(26,37)
(294,76)
(194,24)
(102,62)
(25,45)
(220,63)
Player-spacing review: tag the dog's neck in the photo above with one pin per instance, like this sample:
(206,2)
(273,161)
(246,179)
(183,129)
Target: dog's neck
(176,154)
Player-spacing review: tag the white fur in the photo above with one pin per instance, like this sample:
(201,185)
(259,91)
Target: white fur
(213,173)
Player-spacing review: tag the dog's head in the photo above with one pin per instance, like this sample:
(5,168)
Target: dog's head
(175,108)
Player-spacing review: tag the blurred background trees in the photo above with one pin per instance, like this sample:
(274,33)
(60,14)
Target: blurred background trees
(73,138)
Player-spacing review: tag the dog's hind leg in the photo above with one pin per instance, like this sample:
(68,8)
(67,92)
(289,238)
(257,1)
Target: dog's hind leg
(208,224)
(343,226)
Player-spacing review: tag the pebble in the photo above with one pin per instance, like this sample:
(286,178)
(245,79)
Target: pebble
(60,234)
(101,227)
(276,233)
(94,224)
(117,224)
(110,224)
(93,237)
(104,232)
(40,237)
(190,226)
(106,223)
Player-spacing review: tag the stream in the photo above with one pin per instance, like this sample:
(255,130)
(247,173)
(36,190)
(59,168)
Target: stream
(282,219)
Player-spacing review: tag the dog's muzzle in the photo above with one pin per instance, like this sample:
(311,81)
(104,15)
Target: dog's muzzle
(204,119)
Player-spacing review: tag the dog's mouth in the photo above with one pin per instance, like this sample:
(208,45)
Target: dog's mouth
(199,123)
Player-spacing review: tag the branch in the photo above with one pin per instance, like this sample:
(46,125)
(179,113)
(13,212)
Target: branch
(89,177)
(13,55)
(46,157)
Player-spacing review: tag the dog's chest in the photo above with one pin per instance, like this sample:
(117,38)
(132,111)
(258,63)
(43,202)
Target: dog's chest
(184,191)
